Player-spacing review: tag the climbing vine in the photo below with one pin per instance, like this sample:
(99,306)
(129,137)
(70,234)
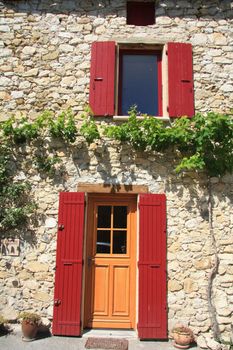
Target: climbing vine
(201,142)
(17,134)
(15,202)
(198,143)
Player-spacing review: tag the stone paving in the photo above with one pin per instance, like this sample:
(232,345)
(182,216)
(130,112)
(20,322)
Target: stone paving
(14,342)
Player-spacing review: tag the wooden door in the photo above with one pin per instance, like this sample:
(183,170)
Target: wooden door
(111,263)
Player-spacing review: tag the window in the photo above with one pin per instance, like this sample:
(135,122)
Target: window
(139,81)
(140,13)
(111,230)
(159,81)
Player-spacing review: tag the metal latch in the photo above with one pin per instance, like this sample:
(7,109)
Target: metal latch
(89,261)
(57,302)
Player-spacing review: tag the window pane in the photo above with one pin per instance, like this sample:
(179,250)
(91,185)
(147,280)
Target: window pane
(103,242)
(139,83)
(119,242)
(104,216)
(120,217)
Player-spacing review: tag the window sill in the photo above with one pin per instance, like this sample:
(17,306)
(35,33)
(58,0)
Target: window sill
(139,117)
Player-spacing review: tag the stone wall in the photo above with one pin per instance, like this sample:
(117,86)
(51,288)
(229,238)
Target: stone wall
(45,62)
(45,48)
(27,280)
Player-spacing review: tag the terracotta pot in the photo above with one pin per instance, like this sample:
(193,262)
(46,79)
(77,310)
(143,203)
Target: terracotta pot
(182,340)
(29,330)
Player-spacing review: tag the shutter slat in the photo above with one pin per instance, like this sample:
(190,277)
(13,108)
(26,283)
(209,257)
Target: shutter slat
(68,278)
(102,78)
(152,320)
(180,80)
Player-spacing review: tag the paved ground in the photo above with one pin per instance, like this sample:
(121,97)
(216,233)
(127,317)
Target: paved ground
(14,342)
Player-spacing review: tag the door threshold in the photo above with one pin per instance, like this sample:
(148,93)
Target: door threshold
(110,333)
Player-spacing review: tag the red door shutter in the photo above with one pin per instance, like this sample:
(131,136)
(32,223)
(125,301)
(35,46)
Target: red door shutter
(180,80)
(102,80)
(68,278)
(152,319)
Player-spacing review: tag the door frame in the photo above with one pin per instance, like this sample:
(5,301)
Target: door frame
(92,198)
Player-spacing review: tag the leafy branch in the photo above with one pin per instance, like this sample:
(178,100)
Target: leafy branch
(204,142)
(63,126)
(15,202)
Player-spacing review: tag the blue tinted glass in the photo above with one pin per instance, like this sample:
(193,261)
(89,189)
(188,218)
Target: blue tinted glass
(140,83)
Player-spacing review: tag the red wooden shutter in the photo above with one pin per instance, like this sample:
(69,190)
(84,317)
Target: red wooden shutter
(68,278)
(152,319)
(180,80)
(102,80)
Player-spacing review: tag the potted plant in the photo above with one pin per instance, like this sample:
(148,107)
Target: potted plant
(183,336)
(30,324)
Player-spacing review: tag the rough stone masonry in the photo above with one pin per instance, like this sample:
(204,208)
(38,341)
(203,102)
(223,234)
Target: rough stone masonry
(45,64)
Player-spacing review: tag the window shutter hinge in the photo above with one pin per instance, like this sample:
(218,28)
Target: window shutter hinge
(167,109)
(166,52)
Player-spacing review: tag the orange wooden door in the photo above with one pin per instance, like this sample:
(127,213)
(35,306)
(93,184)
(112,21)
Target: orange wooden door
(111,263)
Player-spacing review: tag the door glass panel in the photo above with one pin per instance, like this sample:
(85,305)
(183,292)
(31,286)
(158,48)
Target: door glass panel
(103,241)
(119,242)
(120,217)
(104,217)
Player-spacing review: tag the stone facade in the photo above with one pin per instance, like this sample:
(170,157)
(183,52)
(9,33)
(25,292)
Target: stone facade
(45,64)
(45,49)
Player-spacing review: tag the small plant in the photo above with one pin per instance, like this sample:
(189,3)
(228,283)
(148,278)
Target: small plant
(23,130)
(182,330)
(30,317)
(63,127)
(46,164)
(2,320)
(4,328)
(89,129)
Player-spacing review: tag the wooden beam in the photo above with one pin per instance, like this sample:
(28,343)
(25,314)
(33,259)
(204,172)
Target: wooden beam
(110,188)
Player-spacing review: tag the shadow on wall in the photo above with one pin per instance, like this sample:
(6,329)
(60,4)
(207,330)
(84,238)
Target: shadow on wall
(218,9)
(116,164)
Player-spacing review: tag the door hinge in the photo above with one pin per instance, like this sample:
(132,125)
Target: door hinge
(98,79)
